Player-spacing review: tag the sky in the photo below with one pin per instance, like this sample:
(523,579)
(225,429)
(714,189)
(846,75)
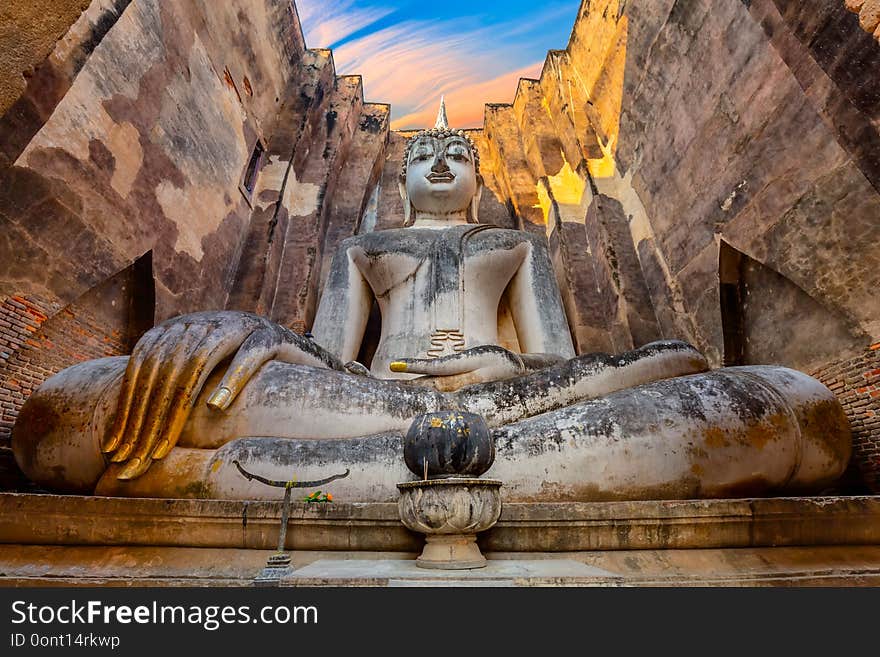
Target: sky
(412,52)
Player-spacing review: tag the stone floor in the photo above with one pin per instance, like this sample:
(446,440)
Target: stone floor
(170,566)
(744,567)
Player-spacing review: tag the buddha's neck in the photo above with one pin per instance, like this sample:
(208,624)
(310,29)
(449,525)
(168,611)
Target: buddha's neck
(429,220)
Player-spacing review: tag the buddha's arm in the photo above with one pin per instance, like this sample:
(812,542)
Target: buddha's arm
(344,308)
(536,306)
(584,377)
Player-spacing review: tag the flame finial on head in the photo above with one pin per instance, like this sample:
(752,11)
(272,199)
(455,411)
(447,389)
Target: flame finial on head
(442,122)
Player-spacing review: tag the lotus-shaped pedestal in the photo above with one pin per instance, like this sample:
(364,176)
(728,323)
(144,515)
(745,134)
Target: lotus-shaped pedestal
(450,512)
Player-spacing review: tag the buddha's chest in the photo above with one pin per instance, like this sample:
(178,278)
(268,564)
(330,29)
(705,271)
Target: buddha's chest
(436,268)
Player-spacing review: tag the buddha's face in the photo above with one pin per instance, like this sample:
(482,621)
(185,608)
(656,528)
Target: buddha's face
(441,178)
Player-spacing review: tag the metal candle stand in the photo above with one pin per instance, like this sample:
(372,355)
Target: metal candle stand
(278,565)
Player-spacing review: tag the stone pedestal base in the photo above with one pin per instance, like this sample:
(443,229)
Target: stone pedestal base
(451,552)
(450,512)
(102,541)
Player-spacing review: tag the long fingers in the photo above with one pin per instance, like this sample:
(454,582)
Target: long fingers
(443,366)
(260,347)
(174,361)
(144,385)
(215,348)
(164,374)
(126,394)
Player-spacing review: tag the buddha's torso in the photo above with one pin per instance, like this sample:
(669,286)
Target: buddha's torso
(438,289)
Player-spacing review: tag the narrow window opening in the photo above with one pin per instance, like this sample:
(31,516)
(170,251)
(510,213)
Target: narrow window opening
(253,168)
(732,298)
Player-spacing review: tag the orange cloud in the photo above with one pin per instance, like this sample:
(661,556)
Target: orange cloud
(411,63)
(408,63)
(465,105)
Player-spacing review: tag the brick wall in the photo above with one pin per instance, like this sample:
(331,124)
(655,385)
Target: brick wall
(856,382)
(37,340)
(46,347)
(21,319)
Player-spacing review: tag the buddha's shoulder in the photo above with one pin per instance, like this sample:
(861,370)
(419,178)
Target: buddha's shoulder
(393,239)
(506,237)
(416,240)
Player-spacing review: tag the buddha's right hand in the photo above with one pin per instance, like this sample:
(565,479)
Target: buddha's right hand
(168,368)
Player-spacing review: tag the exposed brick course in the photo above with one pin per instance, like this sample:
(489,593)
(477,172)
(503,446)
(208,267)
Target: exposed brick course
(861,403)
(44,347)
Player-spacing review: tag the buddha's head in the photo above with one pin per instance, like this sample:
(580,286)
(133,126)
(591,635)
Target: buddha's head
(440,179)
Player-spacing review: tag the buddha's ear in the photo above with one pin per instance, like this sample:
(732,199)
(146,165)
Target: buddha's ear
(474,208)
(408,217)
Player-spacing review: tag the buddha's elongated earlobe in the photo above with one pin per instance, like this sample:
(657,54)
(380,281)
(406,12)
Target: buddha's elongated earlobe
(409,216)
(474,207)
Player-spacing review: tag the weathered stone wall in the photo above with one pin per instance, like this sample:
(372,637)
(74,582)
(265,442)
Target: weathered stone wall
(325,159)
(701,170)
(131,136)
(775,177)
(869,15)
(142,145)
(296,287)
(279,192)
(665,129)
(669,131)
(756,125)
(28,32)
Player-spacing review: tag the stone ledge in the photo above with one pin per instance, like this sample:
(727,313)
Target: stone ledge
(27,519)
(500,572)
(78,520)
(682,524)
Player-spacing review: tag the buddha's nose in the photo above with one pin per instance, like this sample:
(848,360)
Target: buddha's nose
(439,165)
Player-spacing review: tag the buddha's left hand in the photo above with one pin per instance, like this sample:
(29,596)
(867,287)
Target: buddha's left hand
(474,365)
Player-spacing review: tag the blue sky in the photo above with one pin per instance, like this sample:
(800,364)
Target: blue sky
(409,53)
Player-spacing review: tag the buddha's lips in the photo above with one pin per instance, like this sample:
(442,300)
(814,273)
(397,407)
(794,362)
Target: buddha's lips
(440,177)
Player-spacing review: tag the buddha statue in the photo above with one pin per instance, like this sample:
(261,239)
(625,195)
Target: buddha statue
(204,392)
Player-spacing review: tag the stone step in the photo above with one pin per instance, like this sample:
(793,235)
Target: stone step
(514,572)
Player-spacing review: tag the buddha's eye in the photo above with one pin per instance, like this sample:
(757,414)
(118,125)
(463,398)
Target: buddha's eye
(458,153)
(422,155)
